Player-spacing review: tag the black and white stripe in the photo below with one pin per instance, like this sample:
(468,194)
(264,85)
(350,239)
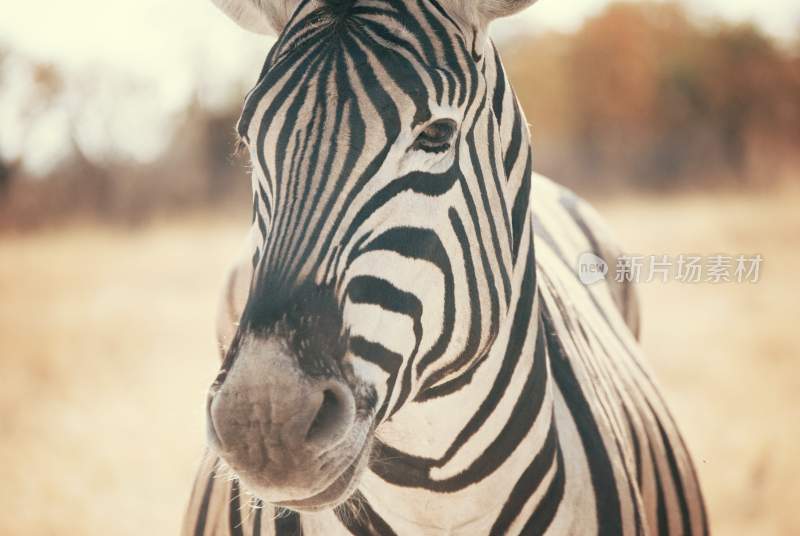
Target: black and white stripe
(505,396)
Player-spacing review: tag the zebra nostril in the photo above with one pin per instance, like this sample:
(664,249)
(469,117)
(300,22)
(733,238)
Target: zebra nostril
(326,413)
(333,418)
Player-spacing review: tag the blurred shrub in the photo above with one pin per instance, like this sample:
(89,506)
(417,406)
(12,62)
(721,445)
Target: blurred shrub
(643,96)
(198,171)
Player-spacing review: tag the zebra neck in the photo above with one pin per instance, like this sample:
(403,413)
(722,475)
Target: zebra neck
(437,461)
(516,151)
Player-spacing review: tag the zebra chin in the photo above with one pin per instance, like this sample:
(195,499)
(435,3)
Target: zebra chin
(294,440)
(336,493)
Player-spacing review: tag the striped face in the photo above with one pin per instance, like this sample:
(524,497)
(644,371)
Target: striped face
(385,240)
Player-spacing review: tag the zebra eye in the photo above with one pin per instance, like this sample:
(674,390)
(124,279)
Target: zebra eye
(436,137)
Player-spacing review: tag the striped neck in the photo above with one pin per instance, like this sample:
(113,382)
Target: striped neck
(434,462)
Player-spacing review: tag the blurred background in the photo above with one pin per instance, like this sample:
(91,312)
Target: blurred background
(121,205)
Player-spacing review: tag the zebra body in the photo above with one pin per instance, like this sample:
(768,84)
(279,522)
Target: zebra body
(545,419)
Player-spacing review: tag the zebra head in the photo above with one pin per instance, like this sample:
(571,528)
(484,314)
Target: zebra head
(390,179)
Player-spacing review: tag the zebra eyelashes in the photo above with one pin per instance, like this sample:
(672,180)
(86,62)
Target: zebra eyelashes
(437,137)
(242,146)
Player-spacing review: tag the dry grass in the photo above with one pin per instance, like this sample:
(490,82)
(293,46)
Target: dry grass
(106,349)
(727,356)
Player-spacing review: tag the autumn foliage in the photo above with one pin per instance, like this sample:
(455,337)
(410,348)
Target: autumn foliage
(644,96)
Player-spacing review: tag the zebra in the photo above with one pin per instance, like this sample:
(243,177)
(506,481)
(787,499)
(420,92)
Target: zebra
(407,346)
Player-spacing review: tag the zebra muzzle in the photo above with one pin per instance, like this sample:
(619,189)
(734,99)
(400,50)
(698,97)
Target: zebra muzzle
(289,434)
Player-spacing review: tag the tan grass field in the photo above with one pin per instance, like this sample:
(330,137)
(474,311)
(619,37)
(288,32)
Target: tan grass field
(106,349)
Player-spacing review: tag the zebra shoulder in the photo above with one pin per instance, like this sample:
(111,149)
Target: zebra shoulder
(595,234)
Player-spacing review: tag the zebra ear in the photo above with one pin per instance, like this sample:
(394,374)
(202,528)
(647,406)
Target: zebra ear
(267,17)
(482,12)
(495,9)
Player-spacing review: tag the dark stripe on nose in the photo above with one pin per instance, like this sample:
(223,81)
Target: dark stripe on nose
(377,354)
(375,291)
